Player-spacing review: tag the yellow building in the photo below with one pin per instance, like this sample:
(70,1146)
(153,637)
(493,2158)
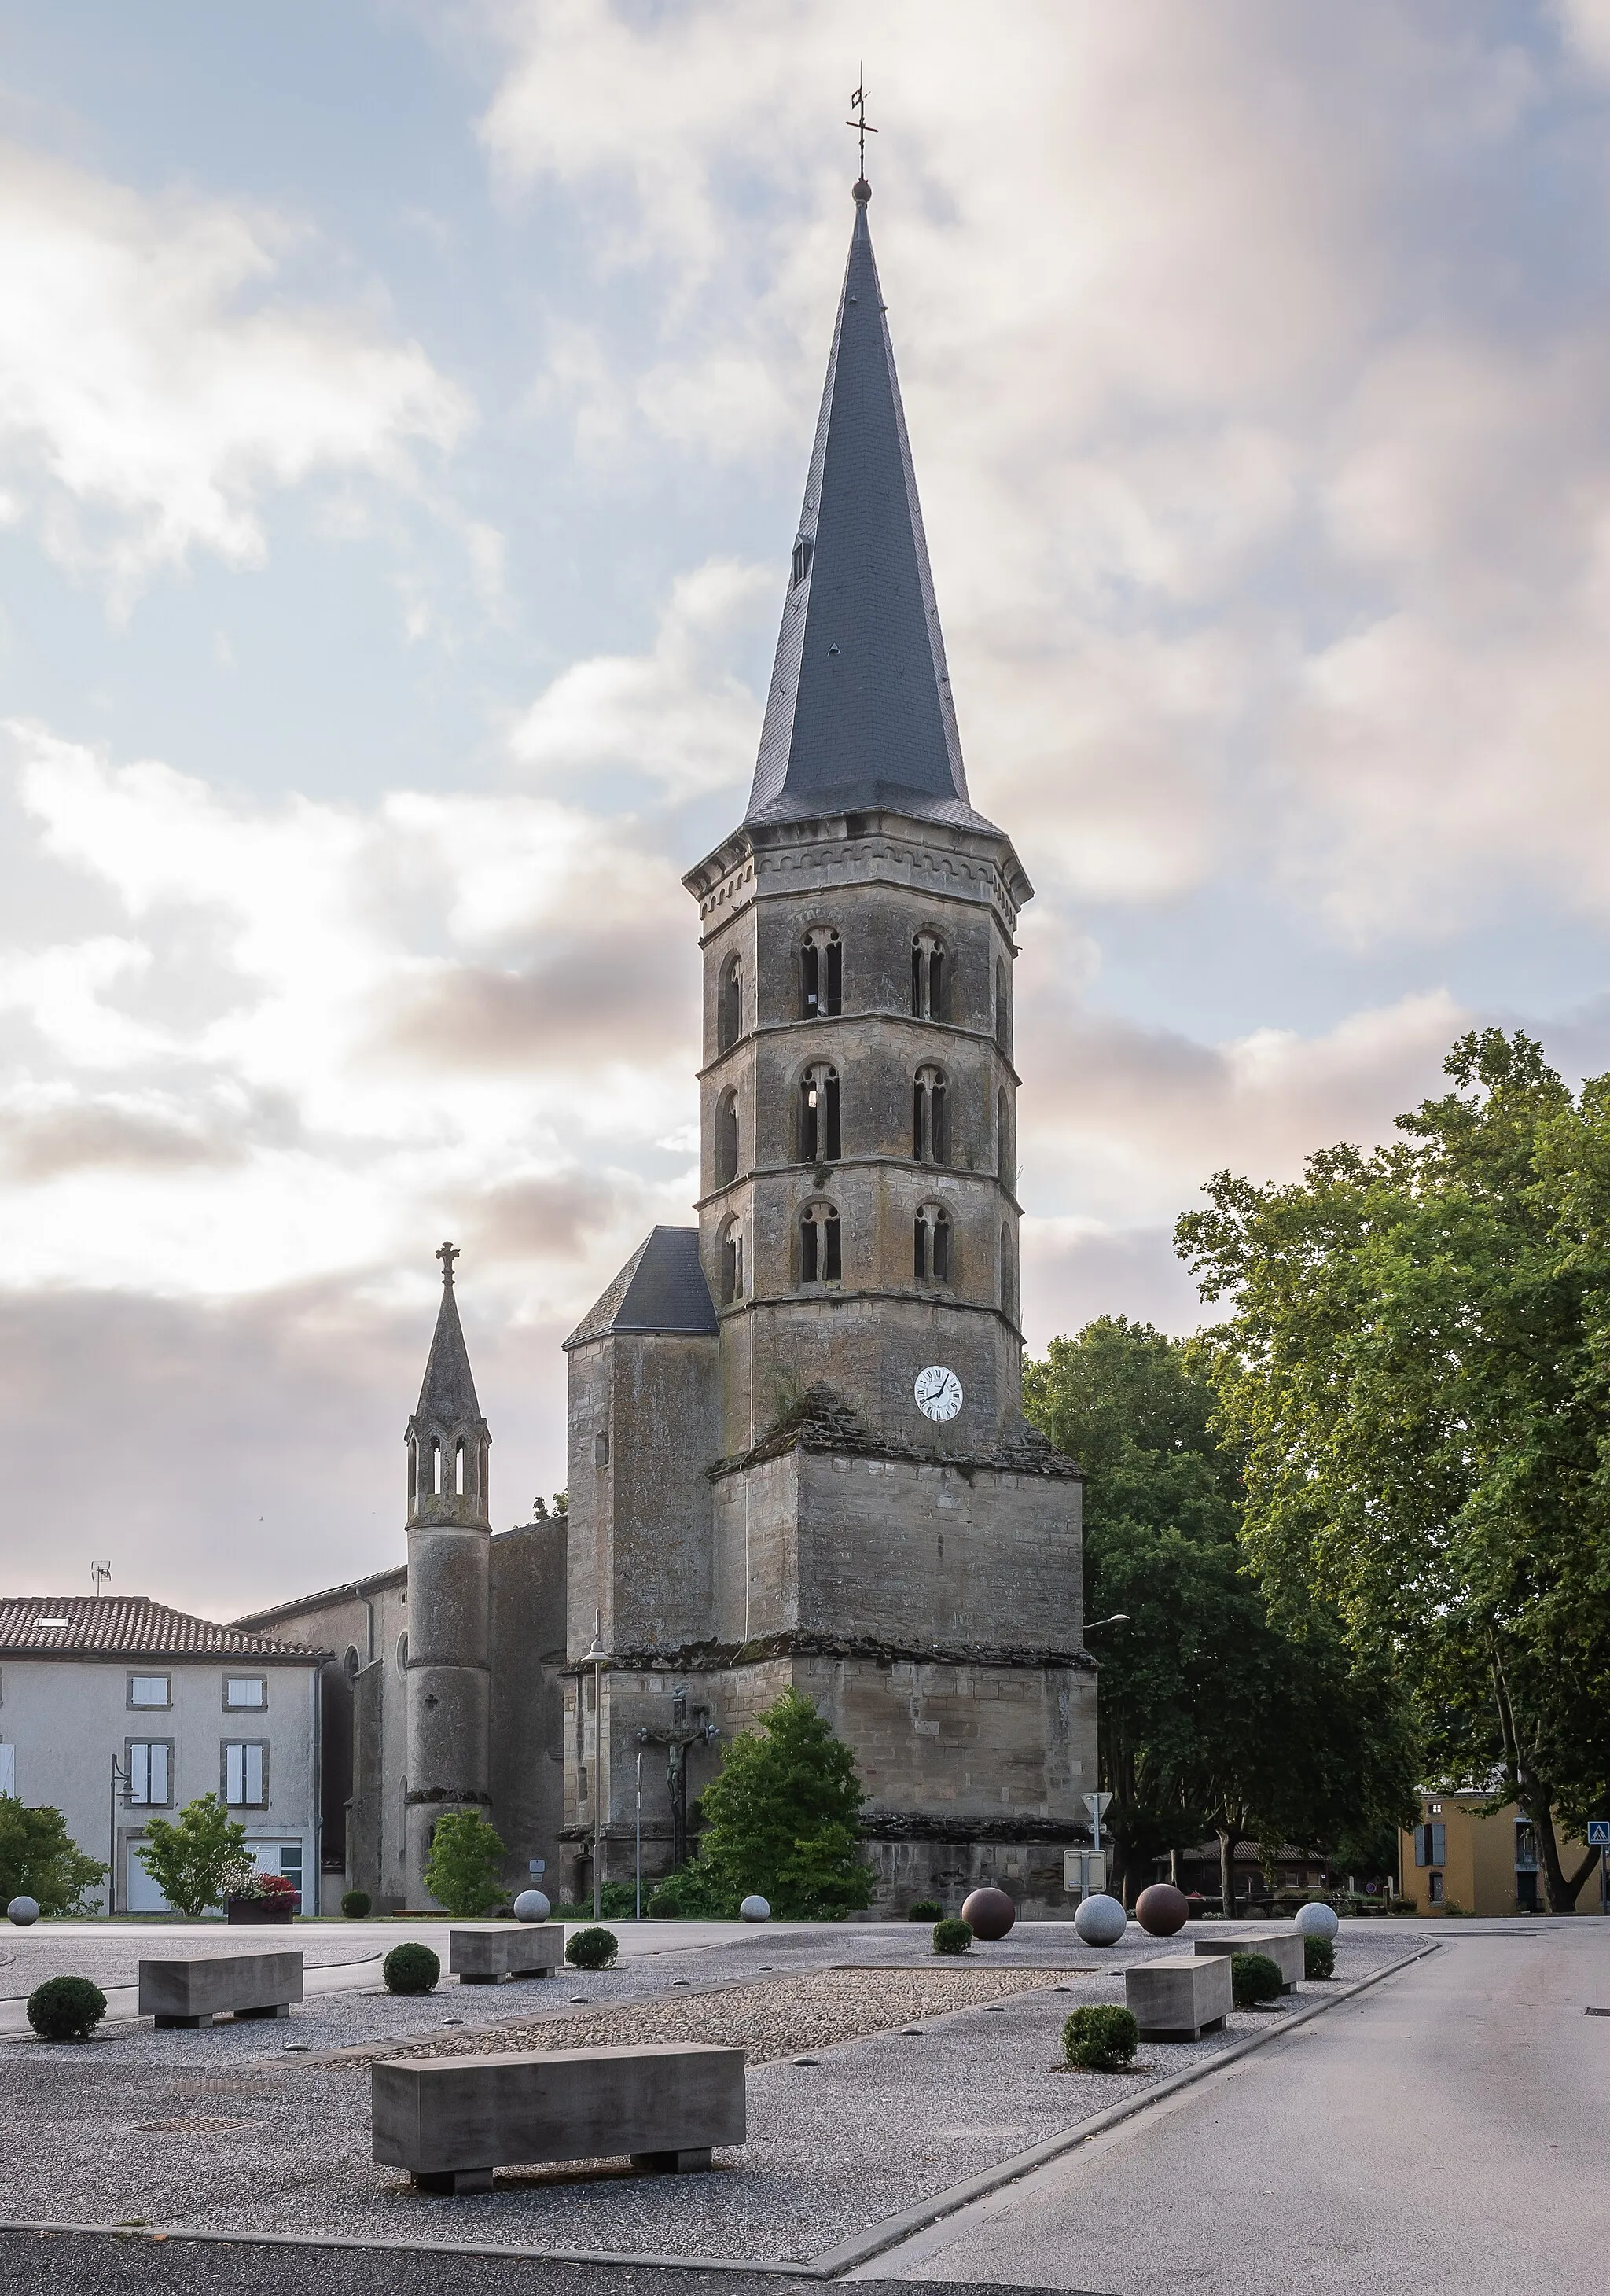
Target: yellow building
(1461,1858)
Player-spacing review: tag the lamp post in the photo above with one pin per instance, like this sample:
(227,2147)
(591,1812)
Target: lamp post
(120,1777)
(638,1862)
(594,1658)
(1096,1803)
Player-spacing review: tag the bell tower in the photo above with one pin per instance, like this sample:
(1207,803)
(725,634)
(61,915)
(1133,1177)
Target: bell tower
(447,1666)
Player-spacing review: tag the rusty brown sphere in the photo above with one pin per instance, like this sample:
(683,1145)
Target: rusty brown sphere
(989,1913)
(1162,1909)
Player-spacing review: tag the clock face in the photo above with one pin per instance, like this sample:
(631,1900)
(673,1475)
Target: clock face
(938,1392)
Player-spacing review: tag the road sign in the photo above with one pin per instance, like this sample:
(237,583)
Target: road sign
(1598,1832)
(1096,1804)
(1083,1870)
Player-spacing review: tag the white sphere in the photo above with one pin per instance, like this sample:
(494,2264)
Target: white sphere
(23,1911)
(531,1905)
(1100,1919)
(1316,1921)
(755,1909)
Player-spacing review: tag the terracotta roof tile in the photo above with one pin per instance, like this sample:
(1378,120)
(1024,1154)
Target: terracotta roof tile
(126,1626)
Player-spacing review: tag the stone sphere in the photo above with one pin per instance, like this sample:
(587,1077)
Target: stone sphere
(755,1909)
(23,1911)
(1162,1910)
(989,1913)
(1317,1921)
(531,1905)
(1100,1919)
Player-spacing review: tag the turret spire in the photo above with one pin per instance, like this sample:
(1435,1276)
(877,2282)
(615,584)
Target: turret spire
(860,712)
(447,1438)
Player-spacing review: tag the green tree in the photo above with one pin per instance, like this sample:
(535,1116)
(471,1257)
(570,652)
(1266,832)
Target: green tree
(461,1870)
(191,1862)
(783,1820)
(1211,1716)
(1415,1375)
(40,1860)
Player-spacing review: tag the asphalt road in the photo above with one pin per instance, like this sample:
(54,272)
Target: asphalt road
(1446,2131)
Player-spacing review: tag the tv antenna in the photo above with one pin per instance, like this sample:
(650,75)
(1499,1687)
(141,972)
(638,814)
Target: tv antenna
(858,105)
(99,1572)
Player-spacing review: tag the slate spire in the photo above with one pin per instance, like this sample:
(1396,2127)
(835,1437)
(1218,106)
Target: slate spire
(447,1398)
(860,712)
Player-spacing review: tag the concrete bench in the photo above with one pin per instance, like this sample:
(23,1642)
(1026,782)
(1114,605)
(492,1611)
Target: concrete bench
(480,1956)
(1180,1996)
(451,2120)
(192,1993)
(1284,1948)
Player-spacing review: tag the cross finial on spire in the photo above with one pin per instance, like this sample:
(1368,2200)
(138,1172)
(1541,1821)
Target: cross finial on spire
(858,105)
(448,1253)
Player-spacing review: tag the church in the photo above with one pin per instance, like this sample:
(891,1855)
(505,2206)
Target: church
(796,1454)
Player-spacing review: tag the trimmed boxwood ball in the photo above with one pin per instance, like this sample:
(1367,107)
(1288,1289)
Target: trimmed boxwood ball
(1162,1910)
(952,1936)
(1319,1957)
(66,2008)
(355,1904)
(1255,1979)
(926,1909)
(1316,1919)
(592,1948)
(1101,2038)
(410,1969)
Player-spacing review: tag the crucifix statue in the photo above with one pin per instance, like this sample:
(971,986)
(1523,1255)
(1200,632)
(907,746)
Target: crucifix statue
(677,1741)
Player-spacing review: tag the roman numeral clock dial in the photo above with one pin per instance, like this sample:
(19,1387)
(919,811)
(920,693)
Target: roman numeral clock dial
(938,1392)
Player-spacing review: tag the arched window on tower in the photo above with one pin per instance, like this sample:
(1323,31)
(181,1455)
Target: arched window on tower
(1003,1009)
(931,1245)
(821,1255)
(1004,1141)
(726,1139)
(731,1264)
(930,1142)
(414,1472)
(820,974)
(436,1468)
(458,1468)
(729,1006)
(1009,1290)
(819,1114)
(930,983)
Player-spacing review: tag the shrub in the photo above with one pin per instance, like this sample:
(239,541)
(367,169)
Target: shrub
(618,1900)
(952,1936)
(191,1862)
(665,1903)
(1319,1957)
(355,1904)
(66,2008)
(783,1820)
(410,1969)
(592,1949)
(1254,1979)
(1101,2038)
(462,1871)
(926,1909)
(39,1859)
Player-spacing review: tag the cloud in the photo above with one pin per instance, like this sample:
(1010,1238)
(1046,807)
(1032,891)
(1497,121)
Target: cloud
(156,380)
(58,1135)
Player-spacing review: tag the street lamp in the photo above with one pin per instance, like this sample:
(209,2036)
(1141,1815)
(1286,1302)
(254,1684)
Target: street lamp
(594,1657)
(1118,1618)
(120,1777)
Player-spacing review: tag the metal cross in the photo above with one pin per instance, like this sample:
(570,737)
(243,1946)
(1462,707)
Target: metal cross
(448,1253)
(858,105)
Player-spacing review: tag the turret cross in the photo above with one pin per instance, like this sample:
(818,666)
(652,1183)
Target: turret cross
(448,1253)
(858,105)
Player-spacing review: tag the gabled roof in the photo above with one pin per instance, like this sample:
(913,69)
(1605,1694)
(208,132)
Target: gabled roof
(661,1288)
(126,1626)
(447,1395)
(860,716)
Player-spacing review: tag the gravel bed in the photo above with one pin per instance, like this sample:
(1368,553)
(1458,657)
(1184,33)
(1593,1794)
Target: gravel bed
(29,1956)
(278,2144)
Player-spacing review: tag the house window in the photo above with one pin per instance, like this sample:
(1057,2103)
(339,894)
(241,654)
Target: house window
(931,1250)
(726,1139)
(820,974)
(731,1264)
(930,1142)
(246,1690)
(929,982)
(1435,1890)
(151,1690)
(819,1135)
(245,1773)
(819,1253)
(148,1766)
(729,1007)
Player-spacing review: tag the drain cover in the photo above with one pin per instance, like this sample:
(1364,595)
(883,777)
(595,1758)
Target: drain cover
(195,2124)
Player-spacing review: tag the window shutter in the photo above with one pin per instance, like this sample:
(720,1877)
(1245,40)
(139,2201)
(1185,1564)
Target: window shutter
(139,1773)
(1438,1839)
(159,1774)
(234,1774)
(8,1770)
(254,1774)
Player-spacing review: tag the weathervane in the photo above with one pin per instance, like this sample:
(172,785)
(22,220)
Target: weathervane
(858,105)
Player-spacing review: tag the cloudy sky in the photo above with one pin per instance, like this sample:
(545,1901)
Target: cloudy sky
(404,412)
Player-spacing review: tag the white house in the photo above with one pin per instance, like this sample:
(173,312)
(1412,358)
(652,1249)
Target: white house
(114,1710)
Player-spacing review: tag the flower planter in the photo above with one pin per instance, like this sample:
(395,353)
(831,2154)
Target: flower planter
(261,1913)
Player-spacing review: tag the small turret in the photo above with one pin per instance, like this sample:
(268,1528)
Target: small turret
(447,1659)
